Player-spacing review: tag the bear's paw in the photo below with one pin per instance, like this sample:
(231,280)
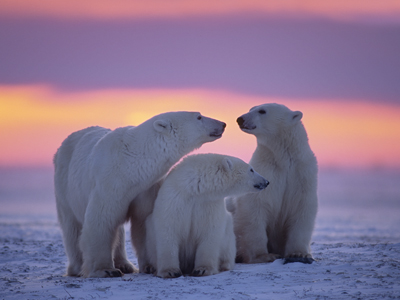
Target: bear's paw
(149,269)
(104,273)
(126,267)
(203,271)
(113,273)
(170,273)
(299,257)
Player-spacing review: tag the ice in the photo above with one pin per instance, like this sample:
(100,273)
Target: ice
(356,245)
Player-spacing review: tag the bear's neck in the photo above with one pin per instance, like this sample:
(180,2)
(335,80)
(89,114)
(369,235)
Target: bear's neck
(151,156)
(288,146)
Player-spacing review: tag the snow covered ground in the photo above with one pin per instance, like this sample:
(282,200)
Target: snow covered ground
(356,244)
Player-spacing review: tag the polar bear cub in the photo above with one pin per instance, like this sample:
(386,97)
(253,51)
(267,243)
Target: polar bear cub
(279,221)
(190,230)
(98,174)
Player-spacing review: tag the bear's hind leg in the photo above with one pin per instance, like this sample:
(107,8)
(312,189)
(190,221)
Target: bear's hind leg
(74,254)
(71,230)
(228,247)
(251,236)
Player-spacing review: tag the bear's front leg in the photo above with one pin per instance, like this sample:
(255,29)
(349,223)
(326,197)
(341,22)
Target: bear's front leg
(168,262)
(138,239)
(167,258)
(206,260)
(209,248)
(299,238)
(120,258)
(97,255)
(99,234)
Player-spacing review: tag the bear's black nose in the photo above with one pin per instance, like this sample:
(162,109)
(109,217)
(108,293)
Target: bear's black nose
(262,185)
(223,125)
(240,121)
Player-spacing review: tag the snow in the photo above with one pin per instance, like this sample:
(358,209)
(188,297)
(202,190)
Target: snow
(356,245)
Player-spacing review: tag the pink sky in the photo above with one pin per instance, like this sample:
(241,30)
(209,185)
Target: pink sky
(70,64)
(35,120)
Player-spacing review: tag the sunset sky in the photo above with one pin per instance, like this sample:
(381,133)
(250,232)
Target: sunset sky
(65,65)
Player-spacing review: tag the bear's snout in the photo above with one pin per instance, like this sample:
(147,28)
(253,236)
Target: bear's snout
(219,131)
(262,185)
(245,125)
(240,121)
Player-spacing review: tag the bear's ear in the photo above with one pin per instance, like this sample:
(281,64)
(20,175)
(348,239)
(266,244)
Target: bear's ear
(227,163)
(162,125)
(296,116)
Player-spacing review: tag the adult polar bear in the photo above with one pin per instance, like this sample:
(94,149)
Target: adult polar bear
(190,230)
(98,174)
(279,221)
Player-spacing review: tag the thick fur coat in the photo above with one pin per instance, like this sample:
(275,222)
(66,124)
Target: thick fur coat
(190,230)
(99,173)
(279,221)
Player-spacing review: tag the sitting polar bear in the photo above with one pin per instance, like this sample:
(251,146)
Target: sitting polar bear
(98,174)
(279,221)
(190,230)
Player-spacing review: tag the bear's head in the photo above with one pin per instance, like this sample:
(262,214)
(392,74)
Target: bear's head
(217,175)
(242,177)
(269,121)
(188,129)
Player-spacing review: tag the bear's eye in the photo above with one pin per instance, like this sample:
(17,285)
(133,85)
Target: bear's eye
(261,111)
(199,118)
(251,170)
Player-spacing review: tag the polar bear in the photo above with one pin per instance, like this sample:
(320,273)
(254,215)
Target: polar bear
(190,230)
(98,174)
(279,221)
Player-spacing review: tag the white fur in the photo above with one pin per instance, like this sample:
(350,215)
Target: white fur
(190,230)
(279,221)
(99,173)
(139,210)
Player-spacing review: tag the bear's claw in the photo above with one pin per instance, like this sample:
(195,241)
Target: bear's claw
(175,274)
(198,272)
(169,273)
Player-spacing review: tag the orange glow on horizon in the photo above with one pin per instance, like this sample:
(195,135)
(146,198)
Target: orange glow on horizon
(34,120)
(159,8)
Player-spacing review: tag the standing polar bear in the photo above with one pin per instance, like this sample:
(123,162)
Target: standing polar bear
(190,230)
(279,221)
(98,174)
